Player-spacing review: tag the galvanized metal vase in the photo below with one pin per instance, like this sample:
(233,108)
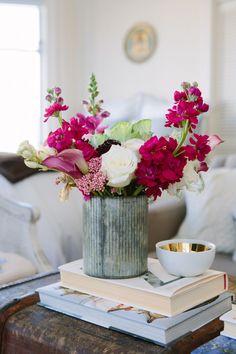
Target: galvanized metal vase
(115,237)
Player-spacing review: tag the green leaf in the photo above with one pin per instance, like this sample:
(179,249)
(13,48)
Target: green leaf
(142,129)
(121,131)
(98,139)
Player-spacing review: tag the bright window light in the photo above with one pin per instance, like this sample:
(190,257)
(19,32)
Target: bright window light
(19,75)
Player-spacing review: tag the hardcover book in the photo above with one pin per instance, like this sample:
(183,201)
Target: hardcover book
(229,319)
(156,291)
(125,318)
(218,345)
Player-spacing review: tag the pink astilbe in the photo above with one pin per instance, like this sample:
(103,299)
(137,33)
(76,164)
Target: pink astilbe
(94,180)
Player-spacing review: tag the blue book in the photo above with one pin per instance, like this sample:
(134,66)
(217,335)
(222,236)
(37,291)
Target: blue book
(218,345)
(128,319)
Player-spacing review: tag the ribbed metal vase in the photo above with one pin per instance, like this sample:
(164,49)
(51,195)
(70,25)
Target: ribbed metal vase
(115,237)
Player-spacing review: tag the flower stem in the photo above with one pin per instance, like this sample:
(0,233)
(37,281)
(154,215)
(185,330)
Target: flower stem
(60,119)
(138,191)
(185,130)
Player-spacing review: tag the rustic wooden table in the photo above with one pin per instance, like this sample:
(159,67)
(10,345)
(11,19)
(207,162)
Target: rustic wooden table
(26,328)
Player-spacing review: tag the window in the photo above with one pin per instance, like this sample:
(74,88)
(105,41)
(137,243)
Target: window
(223,118)
(19,73)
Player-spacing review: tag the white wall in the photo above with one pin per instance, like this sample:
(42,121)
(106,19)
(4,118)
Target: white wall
(183,49)
(60,54)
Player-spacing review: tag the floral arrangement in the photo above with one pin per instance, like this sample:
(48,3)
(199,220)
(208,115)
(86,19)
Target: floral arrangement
(126,159)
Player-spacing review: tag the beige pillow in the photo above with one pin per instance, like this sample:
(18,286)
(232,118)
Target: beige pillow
(15,267)
(209,213)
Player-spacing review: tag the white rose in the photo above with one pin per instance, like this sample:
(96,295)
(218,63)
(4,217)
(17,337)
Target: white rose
(26,150)
(133,144)
(45,152)
(119,164)
(191,180)
(32,164)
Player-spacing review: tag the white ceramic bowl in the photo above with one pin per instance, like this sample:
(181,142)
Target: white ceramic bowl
(185,257)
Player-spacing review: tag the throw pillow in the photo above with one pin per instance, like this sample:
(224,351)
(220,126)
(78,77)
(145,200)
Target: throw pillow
(234,220)
(209,213)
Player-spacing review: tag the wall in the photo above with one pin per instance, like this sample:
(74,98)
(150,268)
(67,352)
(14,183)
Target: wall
(61,54)
(183,51)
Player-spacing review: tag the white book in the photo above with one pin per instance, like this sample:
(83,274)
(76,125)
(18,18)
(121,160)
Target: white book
(125,318)
(229,319)
(156,291)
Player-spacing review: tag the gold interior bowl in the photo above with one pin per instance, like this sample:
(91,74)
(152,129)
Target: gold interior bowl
(185,257)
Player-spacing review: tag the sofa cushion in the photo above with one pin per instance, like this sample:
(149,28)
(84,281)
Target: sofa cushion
(60,227)
(234,220)
(209,214)
(15,267)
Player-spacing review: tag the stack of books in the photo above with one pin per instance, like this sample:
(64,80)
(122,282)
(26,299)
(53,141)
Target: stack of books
(156,306)
(229,319)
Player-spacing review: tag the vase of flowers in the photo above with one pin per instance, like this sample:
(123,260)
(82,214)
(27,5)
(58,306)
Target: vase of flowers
(116,236)
(119,168)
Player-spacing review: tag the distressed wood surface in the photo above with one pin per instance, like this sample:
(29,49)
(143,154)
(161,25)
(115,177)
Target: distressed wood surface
(20,294)
(36,330)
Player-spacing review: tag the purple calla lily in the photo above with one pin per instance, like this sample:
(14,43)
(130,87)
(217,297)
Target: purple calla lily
(70,161)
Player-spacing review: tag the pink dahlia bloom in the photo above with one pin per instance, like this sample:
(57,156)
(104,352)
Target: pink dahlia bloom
(88,150)
(201,146)
(67,136)
(158,166)
(61,138)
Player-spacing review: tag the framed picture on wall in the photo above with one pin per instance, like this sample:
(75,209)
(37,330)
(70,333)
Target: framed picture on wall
(140,42)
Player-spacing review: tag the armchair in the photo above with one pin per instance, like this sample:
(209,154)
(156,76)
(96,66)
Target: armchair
(19,231)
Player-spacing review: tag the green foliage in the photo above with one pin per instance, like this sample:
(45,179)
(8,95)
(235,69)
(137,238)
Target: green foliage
(98,139)
(121,131)
(142,129)
(124,131)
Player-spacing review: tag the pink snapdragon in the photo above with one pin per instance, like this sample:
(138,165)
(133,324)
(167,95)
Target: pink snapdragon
(188,106)
(70,136)
(92,123)
(54,110)
(56,106)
